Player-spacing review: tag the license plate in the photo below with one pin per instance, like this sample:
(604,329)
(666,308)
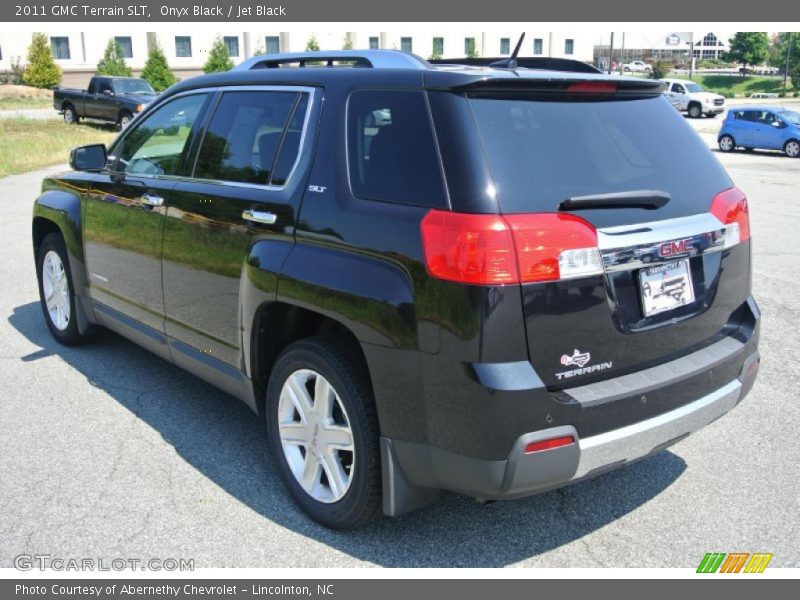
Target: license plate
(666,287)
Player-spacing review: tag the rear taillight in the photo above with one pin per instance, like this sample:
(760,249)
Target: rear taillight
(497,250)
(730,207)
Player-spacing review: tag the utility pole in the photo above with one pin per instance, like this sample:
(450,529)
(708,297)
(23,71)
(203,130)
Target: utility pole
(622,54)
(611,53)
(691,54)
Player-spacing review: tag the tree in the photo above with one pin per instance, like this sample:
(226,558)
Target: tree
(259,51)
(156,70)
(749,48)
(785,51)
(348,42)
(312,45)
(660,69)
(219,60)
(42,71)
(113,63)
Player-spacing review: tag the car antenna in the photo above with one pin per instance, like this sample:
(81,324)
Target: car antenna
(511,61)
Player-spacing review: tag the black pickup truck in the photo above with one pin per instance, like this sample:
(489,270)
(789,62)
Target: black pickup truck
(115,99)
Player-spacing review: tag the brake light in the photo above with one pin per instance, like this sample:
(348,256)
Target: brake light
(592,87)
(730,207)
(559,442)
(499,250)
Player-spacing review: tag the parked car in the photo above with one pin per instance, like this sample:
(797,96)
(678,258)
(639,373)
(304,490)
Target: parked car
(694,99)
(637,66)
(377,281)
(767,127)
(114,99)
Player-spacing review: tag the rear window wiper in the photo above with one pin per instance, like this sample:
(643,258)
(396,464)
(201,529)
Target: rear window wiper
(647,199)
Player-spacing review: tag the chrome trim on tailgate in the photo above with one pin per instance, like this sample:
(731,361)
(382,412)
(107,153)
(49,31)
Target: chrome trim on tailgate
(633,246)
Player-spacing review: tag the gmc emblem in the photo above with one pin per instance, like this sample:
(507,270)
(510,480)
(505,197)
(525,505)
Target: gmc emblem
(677,247)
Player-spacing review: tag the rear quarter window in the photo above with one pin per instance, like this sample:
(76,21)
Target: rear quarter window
(391,149)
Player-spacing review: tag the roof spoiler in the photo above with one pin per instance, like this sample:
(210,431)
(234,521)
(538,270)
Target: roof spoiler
(543,63)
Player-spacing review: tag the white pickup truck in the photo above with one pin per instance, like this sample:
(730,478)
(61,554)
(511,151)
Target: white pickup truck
(637,66)
(693,98)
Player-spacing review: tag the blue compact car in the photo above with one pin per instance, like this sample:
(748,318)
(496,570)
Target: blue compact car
(767,127)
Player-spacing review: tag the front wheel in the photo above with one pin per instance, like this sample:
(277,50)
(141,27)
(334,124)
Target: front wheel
(323,433)
(727,144)
(695,112)
(56,291)
(792,148)
(125,119)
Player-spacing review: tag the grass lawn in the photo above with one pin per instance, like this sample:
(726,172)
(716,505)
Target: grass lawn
(27,144)
(741,86)
(15,97)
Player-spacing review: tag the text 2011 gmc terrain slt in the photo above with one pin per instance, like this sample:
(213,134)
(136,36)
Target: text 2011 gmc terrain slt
(494,280)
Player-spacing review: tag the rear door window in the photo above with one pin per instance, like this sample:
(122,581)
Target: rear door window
(247,133)
(391,149)
(542,152)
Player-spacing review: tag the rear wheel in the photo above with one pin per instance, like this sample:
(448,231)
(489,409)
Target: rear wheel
(694,111)
(323,433)
(56,291)
(70,115)
(792,148)
(727,144)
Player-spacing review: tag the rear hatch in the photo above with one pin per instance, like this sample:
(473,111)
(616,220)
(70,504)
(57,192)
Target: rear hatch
(631,241)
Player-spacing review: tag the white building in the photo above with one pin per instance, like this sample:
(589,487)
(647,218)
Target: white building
(79,52)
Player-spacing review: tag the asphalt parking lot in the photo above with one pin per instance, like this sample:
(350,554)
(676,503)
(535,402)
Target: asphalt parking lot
(109,452)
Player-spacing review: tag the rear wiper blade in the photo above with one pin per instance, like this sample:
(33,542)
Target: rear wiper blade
(647,199)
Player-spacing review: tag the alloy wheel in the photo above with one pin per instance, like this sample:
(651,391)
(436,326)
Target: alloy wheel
(56,290)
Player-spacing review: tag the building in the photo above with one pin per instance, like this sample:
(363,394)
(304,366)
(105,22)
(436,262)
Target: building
(672,46)
(79,52)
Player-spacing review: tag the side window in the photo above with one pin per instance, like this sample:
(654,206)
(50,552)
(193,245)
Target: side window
(157,145)
(246,134)
(678,88)
(105,86)
(391,150)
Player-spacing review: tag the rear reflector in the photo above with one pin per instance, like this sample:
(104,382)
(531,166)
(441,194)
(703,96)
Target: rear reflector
(497,250)
(566,440)
(730,207)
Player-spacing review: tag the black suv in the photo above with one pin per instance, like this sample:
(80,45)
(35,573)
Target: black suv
(494,280)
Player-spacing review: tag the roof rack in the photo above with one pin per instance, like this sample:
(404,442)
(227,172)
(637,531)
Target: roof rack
(375,59)
(543,63)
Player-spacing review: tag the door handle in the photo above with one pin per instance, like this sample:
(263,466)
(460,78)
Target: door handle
(258,216)
(152,199)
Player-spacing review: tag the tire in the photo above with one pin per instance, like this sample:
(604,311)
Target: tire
(71,115)
(125,117)
(695,112)
(299,373)
(727,143)
(792,148)
(56,288)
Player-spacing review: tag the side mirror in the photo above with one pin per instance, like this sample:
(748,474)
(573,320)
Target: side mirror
(88,158)
(108,92)
(777,124)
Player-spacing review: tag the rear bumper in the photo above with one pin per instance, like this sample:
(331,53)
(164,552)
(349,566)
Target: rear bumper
(414,472)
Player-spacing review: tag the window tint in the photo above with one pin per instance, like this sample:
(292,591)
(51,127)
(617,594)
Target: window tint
(156,146)
(290,148)
(543,152)
(244,136)
(391,148)
(766,117)
(104,86)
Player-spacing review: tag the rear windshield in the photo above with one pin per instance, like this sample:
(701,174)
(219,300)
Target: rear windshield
(543,152)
